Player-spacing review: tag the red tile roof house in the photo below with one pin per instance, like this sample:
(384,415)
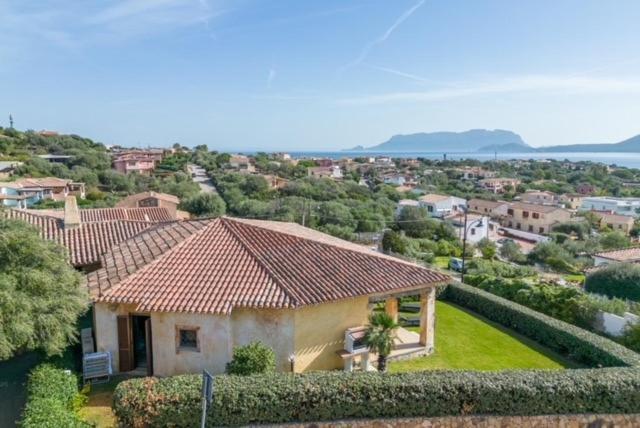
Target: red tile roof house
(178,297)
(88,233)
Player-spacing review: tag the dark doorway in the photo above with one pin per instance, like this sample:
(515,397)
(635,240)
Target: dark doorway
(142,356)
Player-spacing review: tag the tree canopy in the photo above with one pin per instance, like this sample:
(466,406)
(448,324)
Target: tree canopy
(41,295)
(616,280)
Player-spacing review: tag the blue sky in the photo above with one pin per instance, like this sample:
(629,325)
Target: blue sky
(320,75)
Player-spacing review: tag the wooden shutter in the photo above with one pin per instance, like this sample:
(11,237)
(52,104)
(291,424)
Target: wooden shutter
(149,346)
(125,343)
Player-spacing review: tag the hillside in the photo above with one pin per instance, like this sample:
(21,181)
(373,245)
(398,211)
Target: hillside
(468,141)
(631,145)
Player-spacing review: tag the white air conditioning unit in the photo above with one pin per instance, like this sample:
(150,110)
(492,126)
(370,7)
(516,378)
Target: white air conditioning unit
(354,340)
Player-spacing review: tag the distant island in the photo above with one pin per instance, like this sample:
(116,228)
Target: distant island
(487,141)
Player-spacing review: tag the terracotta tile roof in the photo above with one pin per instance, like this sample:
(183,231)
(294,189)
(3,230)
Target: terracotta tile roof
(151,214)
(535,207)
(86,243)
(88,215)
(144,195)
(213,266)
(624,255)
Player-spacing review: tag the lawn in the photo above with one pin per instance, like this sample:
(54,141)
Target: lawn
(441,261)
(97,411)
(467,341)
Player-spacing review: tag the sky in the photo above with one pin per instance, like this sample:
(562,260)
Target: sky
(293,75)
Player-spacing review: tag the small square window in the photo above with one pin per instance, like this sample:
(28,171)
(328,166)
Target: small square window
(187,339)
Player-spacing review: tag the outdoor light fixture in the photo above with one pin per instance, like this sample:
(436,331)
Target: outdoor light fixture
(292,361)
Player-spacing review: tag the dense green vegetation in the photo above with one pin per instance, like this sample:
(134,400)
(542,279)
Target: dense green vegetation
(321,396)
(616,280)
(53,399)
(466,342)
(254,358)
(42,295)
(91,164)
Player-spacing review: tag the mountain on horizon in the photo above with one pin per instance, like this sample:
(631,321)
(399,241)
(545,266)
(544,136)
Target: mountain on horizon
(630,145)
(467,141)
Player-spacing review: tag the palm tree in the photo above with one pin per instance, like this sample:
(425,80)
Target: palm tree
(379,336)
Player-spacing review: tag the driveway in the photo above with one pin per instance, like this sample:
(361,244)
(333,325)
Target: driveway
(199,175)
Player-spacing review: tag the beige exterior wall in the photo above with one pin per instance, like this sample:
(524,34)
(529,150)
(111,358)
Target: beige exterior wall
(542,224)
(319,332)
(105,322)
(274,328)
(313,334)
(213,336)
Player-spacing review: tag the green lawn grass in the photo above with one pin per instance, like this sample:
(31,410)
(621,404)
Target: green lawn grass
(97,411)
(579,278)
(441,261)
(466,341)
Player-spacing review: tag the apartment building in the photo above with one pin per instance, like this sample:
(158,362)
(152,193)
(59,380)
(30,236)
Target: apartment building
(534,218)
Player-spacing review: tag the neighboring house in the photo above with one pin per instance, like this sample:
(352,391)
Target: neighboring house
(7,168)
(325,172)
(395,179)
(539,197)
(477,226)
(617,222)
(241,163)
(476,172)
(494,209)
(406,203)
(572,201)
(585,189)
(498,185)
(140,163)
(276,182)
(622,206)
(533,218)
(441,205)
(627,255)
(152,199)
(64,159)
(88,233)
(179,298)
(25,192)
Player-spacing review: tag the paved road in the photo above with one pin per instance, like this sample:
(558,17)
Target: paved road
(199,175)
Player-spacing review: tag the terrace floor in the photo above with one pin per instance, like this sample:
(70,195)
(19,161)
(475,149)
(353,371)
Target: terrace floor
(465,340)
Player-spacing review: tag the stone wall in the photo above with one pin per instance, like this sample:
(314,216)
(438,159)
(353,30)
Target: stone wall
(562,421)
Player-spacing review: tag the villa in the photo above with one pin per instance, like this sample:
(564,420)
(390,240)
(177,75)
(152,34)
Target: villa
(180,296)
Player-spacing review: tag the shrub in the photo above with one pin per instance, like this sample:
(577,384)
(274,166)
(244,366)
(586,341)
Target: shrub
(580,345)
(394,242)
(616,280)
(52,396)
(280,397)
(252,359)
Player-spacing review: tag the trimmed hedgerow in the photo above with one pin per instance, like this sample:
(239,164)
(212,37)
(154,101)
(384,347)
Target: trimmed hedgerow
(281,397)
(51,396)
(578,344)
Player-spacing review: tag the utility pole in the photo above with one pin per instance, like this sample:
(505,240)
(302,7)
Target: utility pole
(464,243)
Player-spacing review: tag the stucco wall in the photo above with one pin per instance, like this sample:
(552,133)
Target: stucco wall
(273,328)
(213,335)
(319,332)
(106,328)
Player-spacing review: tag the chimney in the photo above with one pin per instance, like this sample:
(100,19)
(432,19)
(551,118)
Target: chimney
(71,213)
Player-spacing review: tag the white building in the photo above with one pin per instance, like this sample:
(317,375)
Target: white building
(477,227)
(442,205)
(406,203)
(621,206)
(395,179)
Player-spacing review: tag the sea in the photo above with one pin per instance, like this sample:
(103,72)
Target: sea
(629,160)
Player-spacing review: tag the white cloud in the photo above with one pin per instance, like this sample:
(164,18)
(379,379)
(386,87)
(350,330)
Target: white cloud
(383,38)
(533,83)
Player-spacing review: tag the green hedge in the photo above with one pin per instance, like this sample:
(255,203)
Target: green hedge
(281,397)
(51,395)
(580,345)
